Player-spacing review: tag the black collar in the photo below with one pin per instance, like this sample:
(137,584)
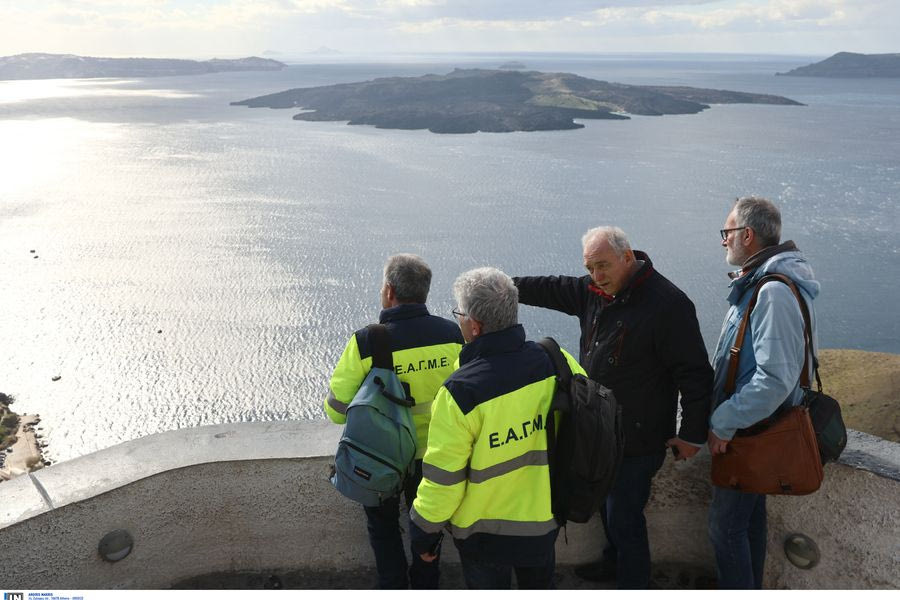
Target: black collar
(402,311)
(496,342)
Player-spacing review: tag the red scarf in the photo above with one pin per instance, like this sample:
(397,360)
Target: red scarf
(636,281)
(600,292)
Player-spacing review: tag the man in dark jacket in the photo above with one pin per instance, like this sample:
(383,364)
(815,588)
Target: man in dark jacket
(640,338)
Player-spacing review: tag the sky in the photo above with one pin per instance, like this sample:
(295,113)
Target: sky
(296,28)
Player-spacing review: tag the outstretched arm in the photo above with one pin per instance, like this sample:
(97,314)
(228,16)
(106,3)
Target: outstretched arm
(563,293)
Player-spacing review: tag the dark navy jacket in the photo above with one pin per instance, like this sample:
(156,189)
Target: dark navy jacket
(644,344)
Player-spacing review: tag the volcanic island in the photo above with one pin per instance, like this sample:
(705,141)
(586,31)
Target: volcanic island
(472,100)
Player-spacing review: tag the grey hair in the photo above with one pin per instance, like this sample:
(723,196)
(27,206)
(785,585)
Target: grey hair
(617,239)
(410,277)
(488,295)
(761,216)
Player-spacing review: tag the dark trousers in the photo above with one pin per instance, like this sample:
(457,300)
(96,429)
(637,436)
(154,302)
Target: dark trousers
(624,522)
(390,558)
(737,530)
(481,575)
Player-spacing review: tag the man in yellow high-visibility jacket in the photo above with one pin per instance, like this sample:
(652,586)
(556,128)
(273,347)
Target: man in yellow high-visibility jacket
(485,472)
(425,348)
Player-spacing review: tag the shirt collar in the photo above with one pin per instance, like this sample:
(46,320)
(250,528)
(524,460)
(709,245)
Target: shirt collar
(753,269)
(757,260)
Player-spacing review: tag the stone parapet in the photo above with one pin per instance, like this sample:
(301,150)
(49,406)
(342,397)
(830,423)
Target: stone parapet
(254,497)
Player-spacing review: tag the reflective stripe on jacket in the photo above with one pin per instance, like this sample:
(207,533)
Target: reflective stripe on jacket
(485,470)
(425,349)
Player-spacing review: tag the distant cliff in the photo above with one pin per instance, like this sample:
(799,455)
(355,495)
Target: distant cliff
(850,64)
(69,66)
(470,100)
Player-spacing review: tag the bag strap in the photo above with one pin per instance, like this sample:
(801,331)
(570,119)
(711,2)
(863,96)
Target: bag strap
(380,344)
(383,358)
(563,381)
(560,364)
(735,350)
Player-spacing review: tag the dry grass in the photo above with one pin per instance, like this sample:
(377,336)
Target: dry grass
(867,385)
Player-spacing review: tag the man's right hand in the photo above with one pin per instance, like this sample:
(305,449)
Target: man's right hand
(716,444)
(681,450)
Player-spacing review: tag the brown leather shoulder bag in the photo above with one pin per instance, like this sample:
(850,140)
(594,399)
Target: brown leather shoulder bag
(778,455)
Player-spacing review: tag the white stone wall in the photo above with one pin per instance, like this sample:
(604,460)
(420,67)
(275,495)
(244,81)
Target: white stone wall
(255,497)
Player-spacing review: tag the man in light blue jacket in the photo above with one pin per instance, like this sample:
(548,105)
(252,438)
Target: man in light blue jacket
(768,373)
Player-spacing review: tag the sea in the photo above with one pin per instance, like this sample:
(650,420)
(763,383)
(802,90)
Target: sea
(168,260)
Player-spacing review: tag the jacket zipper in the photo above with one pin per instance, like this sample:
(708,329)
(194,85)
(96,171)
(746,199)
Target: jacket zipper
(621,342)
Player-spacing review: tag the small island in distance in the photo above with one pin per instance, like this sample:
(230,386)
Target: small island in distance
(70,66)
(471,100)
(851,65)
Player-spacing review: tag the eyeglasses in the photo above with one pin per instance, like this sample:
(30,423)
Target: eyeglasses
(724,232)
(458,313)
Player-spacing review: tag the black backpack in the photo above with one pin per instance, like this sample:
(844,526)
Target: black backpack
(586,451)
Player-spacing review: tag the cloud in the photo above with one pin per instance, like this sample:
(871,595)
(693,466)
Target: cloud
(501,10)
(198,13)
(233,27)
(777,13)
(642,16)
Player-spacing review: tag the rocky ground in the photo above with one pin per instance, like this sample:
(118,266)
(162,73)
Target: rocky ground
(25,453)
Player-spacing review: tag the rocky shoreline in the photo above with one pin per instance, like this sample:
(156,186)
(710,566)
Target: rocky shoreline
(21,451)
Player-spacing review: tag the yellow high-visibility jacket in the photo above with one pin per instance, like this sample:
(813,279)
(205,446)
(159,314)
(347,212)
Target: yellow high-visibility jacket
(425,349)
(485,473)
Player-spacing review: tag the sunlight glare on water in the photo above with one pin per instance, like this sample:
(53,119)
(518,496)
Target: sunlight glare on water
(40,151)
(40,89)
(200,263)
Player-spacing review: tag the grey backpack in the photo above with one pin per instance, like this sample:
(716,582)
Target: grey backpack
(378,447)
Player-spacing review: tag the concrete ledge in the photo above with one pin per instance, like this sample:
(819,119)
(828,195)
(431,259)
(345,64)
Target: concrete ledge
(869,453)
(254,497)
(854,518)
(117,466)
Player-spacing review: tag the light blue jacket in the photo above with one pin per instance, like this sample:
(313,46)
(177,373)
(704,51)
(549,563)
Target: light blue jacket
(772,354)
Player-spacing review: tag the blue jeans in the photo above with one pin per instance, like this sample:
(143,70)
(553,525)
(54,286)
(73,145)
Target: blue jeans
(390,556)
(737,530)
(481,575)
(624,522)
